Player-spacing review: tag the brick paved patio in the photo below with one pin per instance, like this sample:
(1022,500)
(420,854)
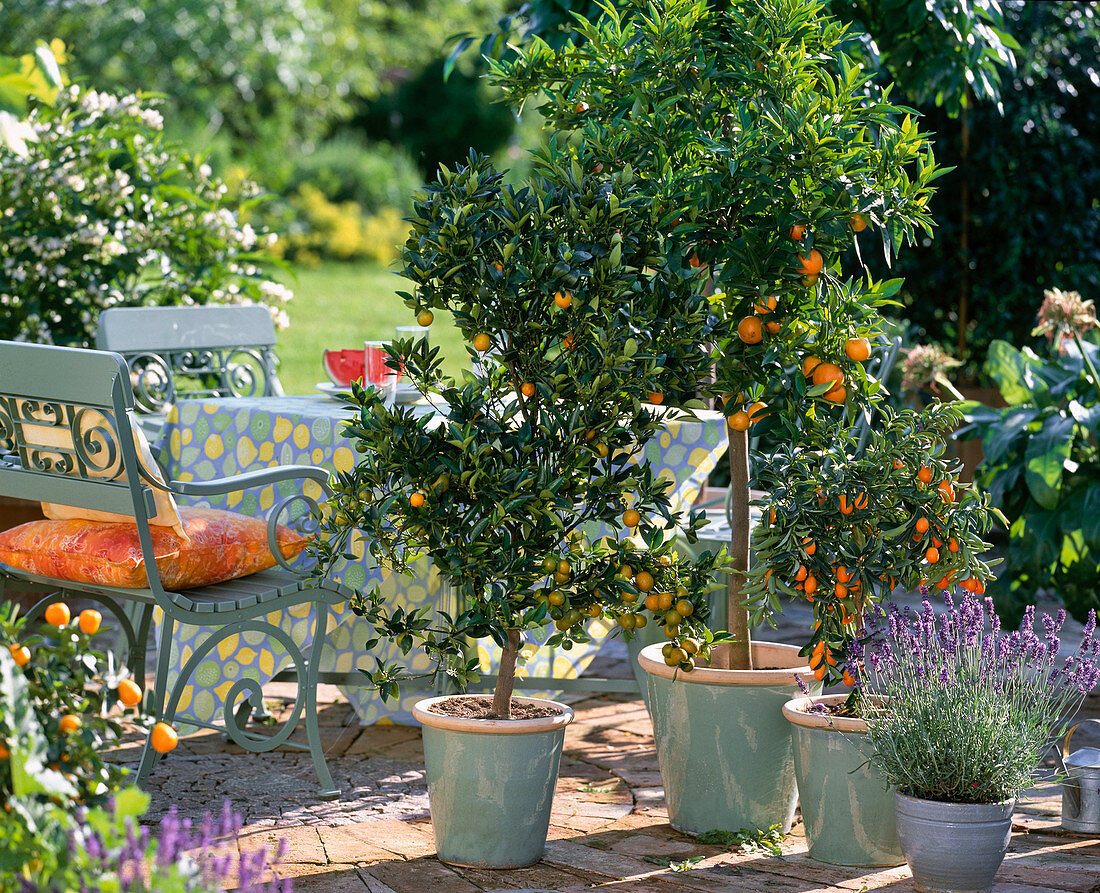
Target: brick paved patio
(609,829)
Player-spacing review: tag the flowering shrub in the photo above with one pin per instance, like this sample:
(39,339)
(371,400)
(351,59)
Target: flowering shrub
(926,366)
(102,211)
(1062,315)
(970,709)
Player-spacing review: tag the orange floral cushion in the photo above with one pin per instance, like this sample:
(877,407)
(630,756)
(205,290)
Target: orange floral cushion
(223,545)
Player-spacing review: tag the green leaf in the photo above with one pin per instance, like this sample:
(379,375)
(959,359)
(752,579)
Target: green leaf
(1014,372)
(1046,457)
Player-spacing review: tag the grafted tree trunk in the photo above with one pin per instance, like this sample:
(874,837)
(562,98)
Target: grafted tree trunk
(737,655)
(506,677)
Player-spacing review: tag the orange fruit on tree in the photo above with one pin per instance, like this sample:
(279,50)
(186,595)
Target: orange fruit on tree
(4,752)
(845,506)
(567,342)
(498,266)
(849,679)
(830,372)
(643,581)
(857,223)
(425,318)
(69,724)
(563,299)
(932,555)
(766,305)
(163,738)
(21,654)
(774,326)
(631,518)
(653,601)
(898,465)
(946,491)
(684,607)
(922,525)
(739,421)
(58,614)
(811,264)
(90,621)
(841,590)
(756,411)
(750,330)
(809,364)
(798,231)
(801,573)
(857,349)
(656,397)
(416,500)
(482,342)
(527,389)
(861,500)
(129,692)
(810,585)
(580,108)
(809,545)
(925,475)
(953,545)
(665,601)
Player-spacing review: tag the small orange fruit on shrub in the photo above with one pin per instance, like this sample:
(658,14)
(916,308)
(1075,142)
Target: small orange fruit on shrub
(129,692)
(563,299)
(90,621)
(811,264)
(425,318)
(416,500)
(482,342)
(631,518)
(21,654)
(69,724)
(58,614)
(163,738)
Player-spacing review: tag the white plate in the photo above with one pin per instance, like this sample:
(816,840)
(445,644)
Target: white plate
(327,387)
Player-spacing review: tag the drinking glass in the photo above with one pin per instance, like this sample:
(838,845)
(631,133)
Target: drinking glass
(376,372)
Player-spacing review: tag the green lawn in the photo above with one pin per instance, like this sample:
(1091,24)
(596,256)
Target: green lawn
(338,306)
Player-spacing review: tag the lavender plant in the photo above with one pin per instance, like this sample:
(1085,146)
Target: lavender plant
(971,709)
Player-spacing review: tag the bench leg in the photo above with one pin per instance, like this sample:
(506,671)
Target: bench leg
(329,791)
(149,756)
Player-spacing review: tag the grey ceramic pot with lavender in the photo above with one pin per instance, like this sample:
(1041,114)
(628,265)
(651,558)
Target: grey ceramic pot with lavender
(953,847)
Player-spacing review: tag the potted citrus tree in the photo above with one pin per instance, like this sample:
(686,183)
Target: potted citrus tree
(765,152)
(842,528)
(517,487)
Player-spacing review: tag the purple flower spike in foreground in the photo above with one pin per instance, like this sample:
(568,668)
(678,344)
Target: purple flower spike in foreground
(971,710)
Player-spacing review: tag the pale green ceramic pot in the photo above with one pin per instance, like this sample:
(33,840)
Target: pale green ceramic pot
(725,750)
(847,809)
(491,783)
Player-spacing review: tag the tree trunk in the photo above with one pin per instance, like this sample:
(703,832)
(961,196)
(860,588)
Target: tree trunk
(964,237)
(506,677)
(737,655)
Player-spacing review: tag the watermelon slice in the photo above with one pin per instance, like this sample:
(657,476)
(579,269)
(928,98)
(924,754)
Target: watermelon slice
(344,366)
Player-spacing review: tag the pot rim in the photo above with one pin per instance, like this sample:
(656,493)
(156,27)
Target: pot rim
(422,712)
(1000,805)
(796,712)
(774,652)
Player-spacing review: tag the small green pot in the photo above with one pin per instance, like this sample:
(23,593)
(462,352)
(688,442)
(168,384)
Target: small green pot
(491,783)
(847,809)
(724,748)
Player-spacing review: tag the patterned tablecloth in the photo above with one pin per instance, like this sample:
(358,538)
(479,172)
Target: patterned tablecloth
(207,439)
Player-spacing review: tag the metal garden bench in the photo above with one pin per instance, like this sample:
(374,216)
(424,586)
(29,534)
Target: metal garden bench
(67,437)
(207,351)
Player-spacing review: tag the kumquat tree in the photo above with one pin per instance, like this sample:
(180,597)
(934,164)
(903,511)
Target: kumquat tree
(518,488)
(768,156)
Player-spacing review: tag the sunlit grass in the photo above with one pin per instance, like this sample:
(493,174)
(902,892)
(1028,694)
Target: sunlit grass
(339,305)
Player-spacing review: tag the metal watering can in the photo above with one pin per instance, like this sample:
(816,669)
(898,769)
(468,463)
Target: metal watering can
(1081,788)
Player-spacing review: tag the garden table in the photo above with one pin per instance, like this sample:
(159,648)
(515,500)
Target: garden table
(205,439)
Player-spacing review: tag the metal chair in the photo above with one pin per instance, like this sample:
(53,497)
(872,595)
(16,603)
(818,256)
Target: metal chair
(66,436)
(215,350)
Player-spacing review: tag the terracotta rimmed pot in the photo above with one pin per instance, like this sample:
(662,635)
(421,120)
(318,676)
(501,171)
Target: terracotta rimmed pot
(847,808)
(491,783)
(953,847)
(724,748)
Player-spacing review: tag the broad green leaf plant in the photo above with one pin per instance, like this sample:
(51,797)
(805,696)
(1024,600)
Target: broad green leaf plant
(520,486)
(1042,462)
(764,152)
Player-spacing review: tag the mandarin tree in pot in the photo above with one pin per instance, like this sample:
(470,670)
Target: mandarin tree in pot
(516,488)
(842,528)
(765,152)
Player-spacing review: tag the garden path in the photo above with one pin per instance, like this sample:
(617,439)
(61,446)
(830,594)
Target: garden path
(609,829)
